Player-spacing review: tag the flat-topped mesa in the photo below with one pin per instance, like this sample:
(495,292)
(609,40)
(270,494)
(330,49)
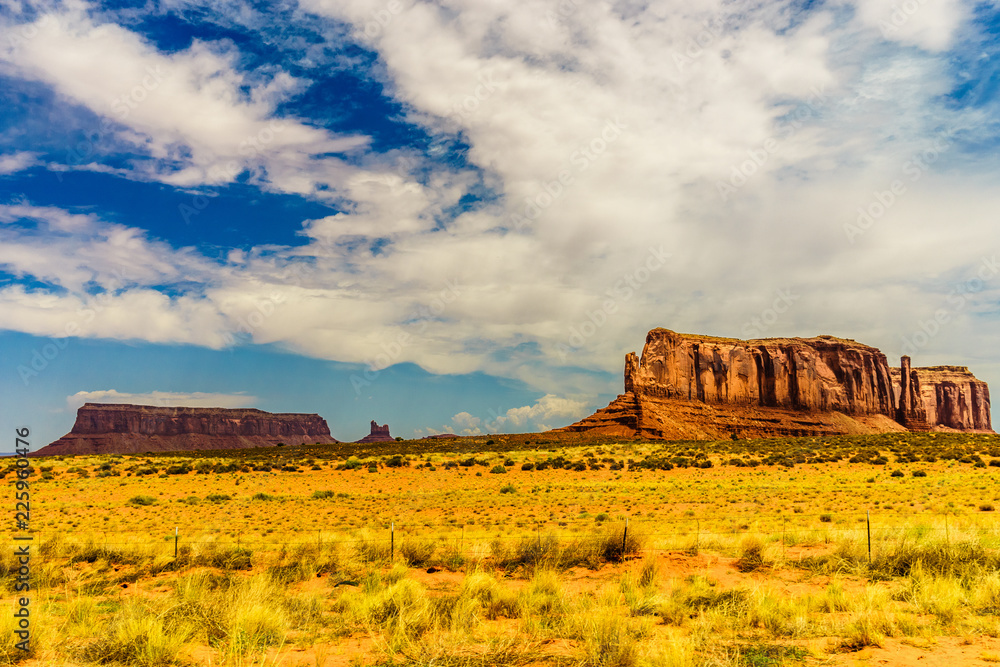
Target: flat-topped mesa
(128,429)
(816,374)
(378,434)
(949,397)
(691,386)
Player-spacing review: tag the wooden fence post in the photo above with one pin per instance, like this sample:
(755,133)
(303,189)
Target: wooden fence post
(392,541)
(868,522)
(624,539)
(176,534)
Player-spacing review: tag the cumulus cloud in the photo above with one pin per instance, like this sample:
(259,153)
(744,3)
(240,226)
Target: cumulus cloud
(730,144)
(199,119)
(549,411)
(197,399)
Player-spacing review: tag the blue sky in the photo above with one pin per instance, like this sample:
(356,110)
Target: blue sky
(483,206)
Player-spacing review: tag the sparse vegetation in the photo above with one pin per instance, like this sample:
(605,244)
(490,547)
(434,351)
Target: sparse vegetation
(738,552)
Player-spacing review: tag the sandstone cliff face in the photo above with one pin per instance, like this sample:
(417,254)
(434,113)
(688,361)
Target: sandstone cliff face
(948,396)
(689,386)
(127,429)
(815,374)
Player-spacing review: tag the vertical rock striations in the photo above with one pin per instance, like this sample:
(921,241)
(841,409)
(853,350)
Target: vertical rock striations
(691,386)
(946,396)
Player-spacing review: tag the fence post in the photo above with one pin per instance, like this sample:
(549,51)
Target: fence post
(868,523)
(392,541)
(624,538)
(175,541)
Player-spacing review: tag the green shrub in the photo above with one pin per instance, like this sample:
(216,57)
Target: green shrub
(142,500)
(498,470)
(508,488)
(217,497)
(320,495)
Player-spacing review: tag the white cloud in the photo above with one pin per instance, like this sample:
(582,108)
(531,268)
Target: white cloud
(539,416)
(929,25)
(817,113)
(199,118)
(15,162)
(548,408)
(197,399)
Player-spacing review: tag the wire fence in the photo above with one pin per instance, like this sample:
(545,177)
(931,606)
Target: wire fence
(656,535)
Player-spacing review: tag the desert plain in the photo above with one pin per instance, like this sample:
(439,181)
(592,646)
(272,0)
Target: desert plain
(534,549)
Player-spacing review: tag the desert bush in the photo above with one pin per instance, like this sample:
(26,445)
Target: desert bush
(371,549)
(417,552)
(960,559)
(141,501)
(136,636)
(607,641)
(752,556)
(494,600)
(615,544)
(320,495)
(225,557)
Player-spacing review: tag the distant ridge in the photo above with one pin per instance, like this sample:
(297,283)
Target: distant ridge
(120,428)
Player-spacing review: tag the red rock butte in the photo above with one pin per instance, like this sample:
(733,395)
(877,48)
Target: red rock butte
(134,429)
(378,434)
(702,387)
